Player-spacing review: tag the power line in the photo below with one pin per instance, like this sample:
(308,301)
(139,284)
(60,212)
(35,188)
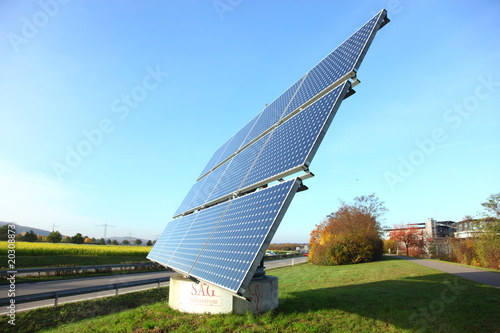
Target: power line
(54,226)
(105,225)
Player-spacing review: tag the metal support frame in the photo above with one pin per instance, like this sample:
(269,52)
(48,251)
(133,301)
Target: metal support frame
(260,272)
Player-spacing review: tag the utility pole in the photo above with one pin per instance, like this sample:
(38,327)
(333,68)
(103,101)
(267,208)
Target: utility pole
(105,225)
(54,226)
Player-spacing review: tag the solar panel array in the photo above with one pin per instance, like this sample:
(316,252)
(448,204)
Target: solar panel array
(229,216)
(220,244)
(286,148)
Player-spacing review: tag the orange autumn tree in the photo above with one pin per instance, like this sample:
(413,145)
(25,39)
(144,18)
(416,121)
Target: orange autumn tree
(350,235)
(409,235)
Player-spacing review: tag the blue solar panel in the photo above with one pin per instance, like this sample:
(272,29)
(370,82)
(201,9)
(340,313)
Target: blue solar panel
(157,250)
(340,62)
(220,244)
(208,186)
(242,236)
(273,113)
(231,146)
(292,144)
(343,60)
(262,122)
(170,239)
(230,215)
(224,180)
(195,237)
(235,173)
(217,157)
(289,146)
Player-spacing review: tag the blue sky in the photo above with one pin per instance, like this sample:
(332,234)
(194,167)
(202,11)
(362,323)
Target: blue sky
(110,109)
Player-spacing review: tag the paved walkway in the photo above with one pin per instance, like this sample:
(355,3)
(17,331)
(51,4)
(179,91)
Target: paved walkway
(477,275)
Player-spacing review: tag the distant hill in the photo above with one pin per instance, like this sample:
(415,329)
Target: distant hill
(130,239)
(21,228)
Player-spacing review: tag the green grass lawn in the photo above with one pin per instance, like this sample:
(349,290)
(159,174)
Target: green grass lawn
(391,295)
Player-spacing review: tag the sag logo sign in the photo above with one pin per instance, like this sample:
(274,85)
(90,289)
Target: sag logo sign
(202,290)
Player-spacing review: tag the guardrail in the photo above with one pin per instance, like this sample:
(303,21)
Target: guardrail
(76,269)
(281,256)
(78,291)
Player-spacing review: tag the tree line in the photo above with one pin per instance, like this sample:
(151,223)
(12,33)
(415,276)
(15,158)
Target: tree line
(284,246)
(353,234)
(57,237)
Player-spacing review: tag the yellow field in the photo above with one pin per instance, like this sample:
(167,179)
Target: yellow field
(43,249)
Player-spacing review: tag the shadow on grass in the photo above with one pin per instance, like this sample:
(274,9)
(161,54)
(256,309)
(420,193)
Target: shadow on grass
(434,303)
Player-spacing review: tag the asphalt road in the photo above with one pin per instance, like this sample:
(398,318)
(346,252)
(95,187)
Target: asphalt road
(51,286)
(477,275)
(269,264)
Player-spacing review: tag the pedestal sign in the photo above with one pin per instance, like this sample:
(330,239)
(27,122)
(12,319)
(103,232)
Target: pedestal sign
(191,297)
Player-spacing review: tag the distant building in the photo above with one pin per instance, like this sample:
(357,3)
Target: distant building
(472,227)
(432,234)
(438,229)
(432,229)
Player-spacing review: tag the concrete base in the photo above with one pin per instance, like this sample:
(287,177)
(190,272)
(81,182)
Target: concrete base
(188,296)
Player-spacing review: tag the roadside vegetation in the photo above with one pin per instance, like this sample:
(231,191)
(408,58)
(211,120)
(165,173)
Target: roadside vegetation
(9,230)
(44,249)
(390,295)
(73,260)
